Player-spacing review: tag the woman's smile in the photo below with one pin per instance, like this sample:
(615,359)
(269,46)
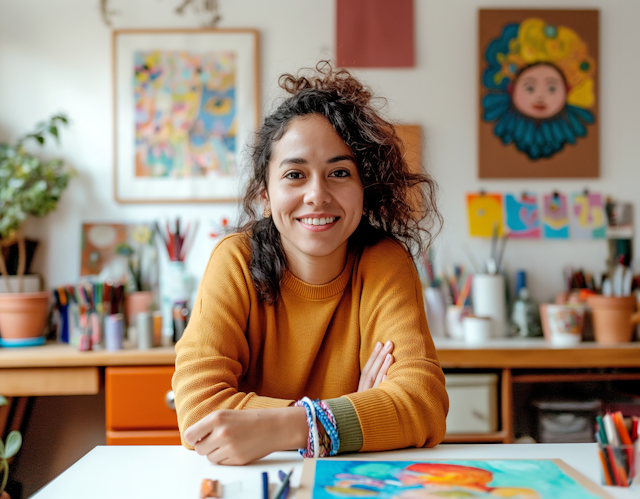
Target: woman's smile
(318,222)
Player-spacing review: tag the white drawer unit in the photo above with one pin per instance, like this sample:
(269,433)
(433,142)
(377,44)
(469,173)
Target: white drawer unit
(473,403)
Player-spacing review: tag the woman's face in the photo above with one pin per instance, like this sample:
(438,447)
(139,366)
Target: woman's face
(539,92)
(314,191)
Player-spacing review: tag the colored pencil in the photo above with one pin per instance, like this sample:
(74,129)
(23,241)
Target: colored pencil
(265,485)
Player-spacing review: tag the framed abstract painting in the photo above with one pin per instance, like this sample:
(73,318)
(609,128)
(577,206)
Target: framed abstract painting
(539,101)
(185,103)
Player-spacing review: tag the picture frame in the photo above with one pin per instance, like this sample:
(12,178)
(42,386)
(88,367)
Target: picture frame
(185,102)
(538,93)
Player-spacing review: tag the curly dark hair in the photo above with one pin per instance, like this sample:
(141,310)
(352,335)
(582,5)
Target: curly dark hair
(397,202)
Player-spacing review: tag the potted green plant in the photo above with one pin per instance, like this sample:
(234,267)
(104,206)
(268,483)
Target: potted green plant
(28,186)
(8,449)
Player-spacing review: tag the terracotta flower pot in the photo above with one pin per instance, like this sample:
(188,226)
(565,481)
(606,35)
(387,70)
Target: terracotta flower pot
(23,315)
(134,303)
(613,317)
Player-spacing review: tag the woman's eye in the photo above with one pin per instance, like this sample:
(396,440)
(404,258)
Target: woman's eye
(293,175)
(529,88)
(552,89)
(340,173)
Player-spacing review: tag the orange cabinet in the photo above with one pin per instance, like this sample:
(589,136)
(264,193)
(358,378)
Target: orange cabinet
(138,404)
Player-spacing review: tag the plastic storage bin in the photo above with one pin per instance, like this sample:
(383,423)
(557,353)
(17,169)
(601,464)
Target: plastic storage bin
(473,403)
(565,421)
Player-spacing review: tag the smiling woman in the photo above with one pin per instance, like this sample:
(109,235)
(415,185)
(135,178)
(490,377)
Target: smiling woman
(310,318)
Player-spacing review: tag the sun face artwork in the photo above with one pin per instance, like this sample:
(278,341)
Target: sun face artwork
(185,113)
(538,94)
(517,479)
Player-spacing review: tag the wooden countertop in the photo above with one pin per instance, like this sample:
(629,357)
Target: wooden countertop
(536,353)
(59,355)
(497,354)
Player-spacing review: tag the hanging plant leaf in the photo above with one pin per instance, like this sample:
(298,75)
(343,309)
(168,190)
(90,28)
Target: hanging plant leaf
(14,442)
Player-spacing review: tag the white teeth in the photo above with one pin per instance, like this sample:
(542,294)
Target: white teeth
(318,221)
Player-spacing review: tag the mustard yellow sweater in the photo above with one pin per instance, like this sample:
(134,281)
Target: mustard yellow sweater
(239,353)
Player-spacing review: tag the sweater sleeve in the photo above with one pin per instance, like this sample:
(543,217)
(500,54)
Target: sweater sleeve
(213,353)
(409,408)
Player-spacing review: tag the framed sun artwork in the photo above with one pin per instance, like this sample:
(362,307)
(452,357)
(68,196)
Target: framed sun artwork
(185,103)
(538,73)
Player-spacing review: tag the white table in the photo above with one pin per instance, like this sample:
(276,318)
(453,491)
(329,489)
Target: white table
(173,472)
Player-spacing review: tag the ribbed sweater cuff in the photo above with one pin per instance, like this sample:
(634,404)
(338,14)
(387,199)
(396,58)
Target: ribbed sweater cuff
(377,417)
(349,429)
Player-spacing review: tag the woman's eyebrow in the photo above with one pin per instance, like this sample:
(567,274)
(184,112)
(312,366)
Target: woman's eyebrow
(552,78)
(343,157)
(293,161)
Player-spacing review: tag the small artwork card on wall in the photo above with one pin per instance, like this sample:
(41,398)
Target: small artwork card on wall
(587,216)
(538,93)
(523,220)
(185,102)
(555,216)
(485,214)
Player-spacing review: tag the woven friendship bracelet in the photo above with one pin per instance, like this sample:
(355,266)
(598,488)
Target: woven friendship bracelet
(308,452)
(313,440)
(324,414)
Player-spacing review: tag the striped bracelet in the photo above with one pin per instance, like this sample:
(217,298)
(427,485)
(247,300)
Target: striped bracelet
(328,421)
(313,440)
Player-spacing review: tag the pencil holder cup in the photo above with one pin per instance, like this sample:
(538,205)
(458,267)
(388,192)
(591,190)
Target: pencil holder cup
(454,321)
(613,318)
(435,309)
(620,464)
(175,286)
(136,302)
(489,300)
(563,324)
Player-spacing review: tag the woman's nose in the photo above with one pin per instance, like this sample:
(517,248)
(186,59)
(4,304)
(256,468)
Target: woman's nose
(317,192)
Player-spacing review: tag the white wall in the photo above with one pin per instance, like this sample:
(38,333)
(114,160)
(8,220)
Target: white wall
(56,55)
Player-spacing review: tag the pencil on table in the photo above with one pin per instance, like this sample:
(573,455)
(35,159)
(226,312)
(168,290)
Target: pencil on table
(605,468)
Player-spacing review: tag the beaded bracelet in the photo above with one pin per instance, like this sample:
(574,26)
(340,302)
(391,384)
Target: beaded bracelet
(313,440)
(328,422)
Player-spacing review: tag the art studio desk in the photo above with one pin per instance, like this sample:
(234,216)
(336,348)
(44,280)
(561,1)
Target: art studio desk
(61,370)
(173,471)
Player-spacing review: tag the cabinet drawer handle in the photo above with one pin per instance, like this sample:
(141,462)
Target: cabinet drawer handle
(170,400)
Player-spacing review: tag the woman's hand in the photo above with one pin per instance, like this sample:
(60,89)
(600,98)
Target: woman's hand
(236,437)
(375,370)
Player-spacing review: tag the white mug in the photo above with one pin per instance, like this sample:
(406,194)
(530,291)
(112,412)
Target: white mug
(489,300)
(477,330)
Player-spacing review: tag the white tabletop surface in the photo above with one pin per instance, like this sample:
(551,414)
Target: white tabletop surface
(173,472)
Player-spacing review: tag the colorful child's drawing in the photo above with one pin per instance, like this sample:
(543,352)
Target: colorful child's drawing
(555,216)
(523,217)
(587,216)
(185,113)
(516,479)
(540,87)
(485,212)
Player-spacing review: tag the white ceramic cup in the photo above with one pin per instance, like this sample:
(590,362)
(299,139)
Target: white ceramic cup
(454,321)
(565,323)
(477,330)
(435,308)
(489,300)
